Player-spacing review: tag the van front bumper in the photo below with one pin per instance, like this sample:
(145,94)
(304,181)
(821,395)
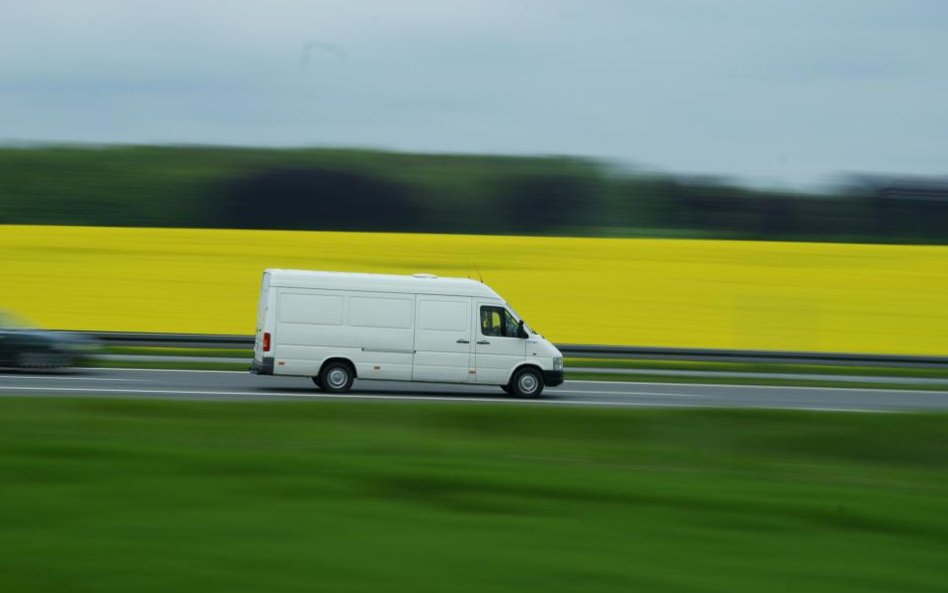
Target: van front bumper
(264,367)
(553,378)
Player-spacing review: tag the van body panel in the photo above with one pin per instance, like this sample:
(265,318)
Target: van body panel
(371,329)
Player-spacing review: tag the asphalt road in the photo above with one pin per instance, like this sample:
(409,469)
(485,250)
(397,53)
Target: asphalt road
(236,385)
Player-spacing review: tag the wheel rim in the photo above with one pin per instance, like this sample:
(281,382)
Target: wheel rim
(528,383)
(338,377)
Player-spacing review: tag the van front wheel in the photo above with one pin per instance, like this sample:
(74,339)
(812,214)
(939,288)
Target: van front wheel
(336,377)
(527,382)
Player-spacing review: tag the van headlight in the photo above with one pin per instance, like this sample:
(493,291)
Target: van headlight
(558,363)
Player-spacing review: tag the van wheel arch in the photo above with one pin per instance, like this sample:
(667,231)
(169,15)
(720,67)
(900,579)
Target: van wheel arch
(324,379)
(528,388)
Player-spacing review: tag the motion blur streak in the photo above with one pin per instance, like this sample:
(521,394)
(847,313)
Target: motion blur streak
(653,292)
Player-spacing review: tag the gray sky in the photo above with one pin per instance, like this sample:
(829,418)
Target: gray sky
(782,92)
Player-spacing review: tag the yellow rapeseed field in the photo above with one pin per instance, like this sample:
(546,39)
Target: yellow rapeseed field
(685,293)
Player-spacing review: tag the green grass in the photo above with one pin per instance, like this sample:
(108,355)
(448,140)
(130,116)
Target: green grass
(125,495)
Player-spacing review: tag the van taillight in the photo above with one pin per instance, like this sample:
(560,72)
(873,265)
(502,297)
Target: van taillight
(266,341)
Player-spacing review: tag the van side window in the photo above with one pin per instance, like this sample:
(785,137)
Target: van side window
(498,322)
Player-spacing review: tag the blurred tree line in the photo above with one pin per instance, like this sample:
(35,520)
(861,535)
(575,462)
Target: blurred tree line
(328,189)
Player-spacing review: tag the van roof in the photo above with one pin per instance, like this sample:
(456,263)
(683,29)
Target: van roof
(416,284)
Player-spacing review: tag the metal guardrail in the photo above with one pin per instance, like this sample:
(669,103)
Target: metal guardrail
(161,340)
(572,351)
(758,356)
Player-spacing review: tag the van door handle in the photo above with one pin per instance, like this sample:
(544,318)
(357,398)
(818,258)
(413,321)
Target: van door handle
(483,342)
(463,341)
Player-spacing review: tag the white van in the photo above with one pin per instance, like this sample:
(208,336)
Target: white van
(337,327)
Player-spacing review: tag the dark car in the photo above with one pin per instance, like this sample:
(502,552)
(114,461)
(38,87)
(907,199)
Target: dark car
(24,347)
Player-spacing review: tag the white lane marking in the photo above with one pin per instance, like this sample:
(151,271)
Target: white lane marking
(555,391)
(70,378)
(460,398)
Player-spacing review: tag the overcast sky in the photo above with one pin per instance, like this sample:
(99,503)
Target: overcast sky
(784,92)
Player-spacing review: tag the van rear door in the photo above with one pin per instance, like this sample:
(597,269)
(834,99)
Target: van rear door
(263,337)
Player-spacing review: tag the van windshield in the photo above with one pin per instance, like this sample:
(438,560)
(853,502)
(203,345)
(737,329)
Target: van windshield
(519,318)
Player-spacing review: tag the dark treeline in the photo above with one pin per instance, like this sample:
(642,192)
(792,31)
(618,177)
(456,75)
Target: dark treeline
(323,189)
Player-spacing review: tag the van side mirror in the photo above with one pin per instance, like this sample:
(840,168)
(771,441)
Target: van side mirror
(522,331)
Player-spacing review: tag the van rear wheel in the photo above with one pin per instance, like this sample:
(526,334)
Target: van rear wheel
(527,383)
(336,377)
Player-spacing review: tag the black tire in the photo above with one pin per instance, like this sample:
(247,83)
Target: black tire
(336,377)
(318,382)
(506,389)
(526,383)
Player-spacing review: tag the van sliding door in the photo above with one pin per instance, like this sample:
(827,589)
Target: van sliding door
(443,340)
